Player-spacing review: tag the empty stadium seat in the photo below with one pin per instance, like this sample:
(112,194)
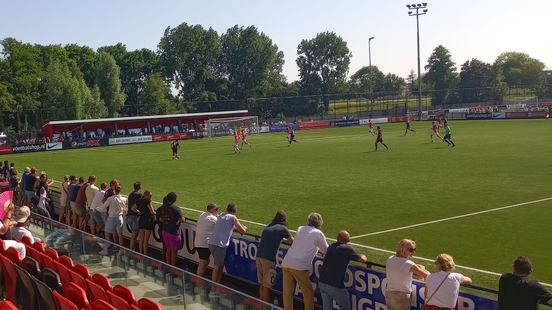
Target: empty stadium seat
(25,295)
(44,296)
(102,305)
(63,303)
(31,266)
(13,255)
(32,252)
(2,247)
(26,240)
(125,293)
(102,281)
(63,272)
(39,246)
(51,279)
(7,305)
(52,253)
(10,276)
(76,278)
(95,291)
(148,304)
(66,261)
(77,295)
(117,301)
(82,270)
(47,262)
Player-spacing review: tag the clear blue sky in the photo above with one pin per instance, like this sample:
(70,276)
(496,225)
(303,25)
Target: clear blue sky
(469,29)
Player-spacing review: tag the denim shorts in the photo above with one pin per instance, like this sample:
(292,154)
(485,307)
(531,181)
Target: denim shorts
(114,223)
(134,222)
(96,218)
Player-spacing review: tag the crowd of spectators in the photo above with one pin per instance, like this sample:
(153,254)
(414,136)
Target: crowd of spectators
(101,212)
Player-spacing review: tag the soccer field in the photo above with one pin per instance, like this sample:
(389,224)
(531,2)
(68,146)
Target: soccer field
(420,190)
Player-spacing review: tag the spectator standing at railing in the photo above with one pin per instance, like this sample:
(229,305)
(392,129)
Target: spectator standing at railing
(332,274)
(273,234)
(516,291)
(399,269)
(114,222)
(24,182)
(132,216)
(70,199)
(220,238)
(146,222)
(298,261)
(204,228)
(79,212)
(96,217)
(90,193)
(6,169)
(442,287)
(63,199)
(172,217)
(30,184)
(15,182)
(42,193)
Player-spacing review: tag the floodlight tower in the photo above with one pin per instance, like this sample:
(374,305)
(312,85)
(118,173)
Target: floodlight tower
(417,10)
(371,75)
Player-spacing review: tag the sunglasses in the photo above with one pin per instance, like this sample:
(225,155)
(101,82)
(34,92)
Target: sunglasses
(412,250)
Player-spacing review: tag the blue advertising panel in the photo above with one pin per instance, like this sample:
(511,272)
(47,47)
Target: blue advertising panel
(282,127)
(479,116)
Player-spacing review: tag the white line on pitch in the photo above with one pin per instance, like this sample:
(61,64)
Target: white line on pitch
(451,218)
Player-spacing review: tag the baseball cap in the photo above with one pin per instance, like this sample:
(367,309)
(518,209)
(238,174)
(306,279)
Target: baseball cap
(212,206)
(22,214)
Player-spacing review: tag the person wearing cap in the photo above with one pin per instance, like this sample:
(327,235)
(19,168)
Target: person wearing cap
(517,291)
(19,230)
(332,274)
(5,233)
(273,234)
(204,228)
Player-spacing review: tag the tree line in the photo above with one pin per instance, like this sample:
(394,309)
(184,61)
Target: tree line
(195,69)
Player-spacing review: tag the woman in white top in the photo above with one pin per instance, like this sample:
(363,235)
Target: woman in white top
(63,199)
(445,296)
(399,269)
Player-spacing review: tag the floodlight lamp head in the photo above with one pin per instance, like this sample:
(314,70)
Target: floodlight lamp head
(370,39)
(410,13)
(419,5)
(408,6)
(424,4)
(413,6)
(425,11)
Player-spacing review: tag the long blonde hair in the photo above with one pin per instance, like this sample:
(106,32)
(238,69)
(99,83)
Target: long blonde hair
(445,262)
(404,246)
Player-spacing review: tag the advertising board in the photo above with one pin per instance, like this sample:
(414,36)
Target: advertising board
(130,140)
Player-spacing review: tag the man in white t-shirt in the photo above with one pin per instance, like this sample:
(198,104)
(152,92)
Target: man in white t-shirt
(5,225)
(204,227)
(22,219)
(97,221)
(90,191)
(297,263)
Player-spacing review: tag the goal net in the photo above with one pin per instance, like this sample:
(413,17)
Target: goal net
(525,102)
(218,127)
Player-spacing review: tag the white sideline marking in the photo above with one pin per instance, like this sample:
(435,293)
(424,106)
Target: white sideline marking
(451,218)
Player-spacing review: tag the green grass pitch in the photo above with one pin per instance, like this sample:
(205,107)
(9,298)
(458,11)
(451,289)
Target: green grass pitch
(337,173)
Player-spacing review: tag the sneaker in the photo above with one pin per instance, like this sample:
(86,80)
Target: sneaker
(104,252)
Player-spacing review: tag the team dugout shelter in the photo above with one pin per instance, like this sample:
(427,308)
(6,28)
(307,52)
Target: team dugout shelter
(162,127)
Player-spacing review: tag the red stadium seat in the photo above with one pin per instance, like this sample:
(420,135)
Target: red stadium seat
(63,272)
(82,270)
(2,247)
(102,281)
(13,255)
(148,304)
(47,262)
(117,301)
(77,295)
(102,305)
(95,291)
(66,261)
(52,253)
(77,279)
(10,276)
(27,240)
(63,303)
(32,252)
(125,293)
(133,307)
(7,305)
(39,246)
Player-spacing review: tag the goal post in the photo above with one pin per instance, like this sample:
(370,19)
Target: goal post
(218,127)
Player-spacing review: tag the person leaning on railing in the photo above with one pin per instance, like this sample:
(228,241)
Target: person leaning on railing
(399,270)
(442,287)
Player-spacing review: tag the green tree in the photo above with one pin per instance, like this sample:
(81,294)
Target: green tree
(476,81)
(412,81)
(323,61)
(189,55)
(441,75)
(360,80)
(61,96)
(109,83)
(21,72)
(250,61)
(85,59)
(93,106)
(136,66)
(393,83)
(154,100)
(519,69)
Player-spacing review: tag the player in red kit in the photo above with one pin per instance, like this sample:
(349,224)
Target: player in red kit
(435,131)
(244,138)
(380,139)
(236,142)
(290,135)
(371,126)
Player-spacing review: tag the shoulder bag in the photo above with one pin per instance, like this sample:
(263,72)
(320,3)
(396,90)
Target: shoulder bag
(425,303)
